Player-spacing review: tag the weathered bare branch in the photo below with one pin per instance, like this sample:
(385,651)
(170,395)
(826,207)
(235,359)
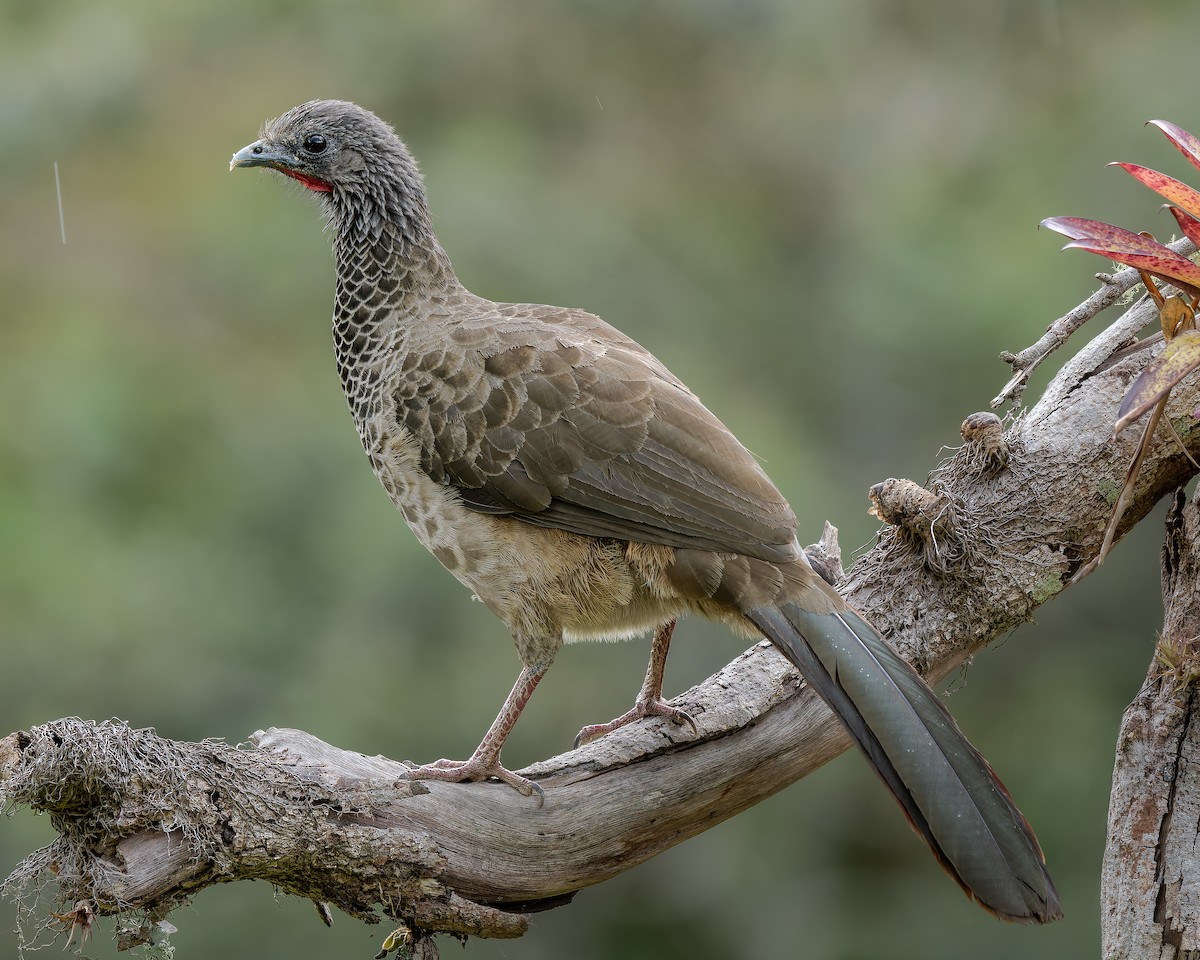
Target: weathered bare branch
(1113,287)
(146,822)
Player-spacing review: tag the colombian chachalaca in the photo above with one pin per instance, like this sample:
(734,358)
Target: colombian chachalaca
(581,491)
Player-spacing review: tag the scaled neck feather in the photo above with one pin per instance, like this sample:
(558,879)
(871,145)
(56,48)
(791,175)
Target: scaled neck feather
(391,271)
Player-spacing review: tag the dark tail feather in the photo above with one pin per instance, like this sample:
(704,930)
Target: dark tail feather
(946,788)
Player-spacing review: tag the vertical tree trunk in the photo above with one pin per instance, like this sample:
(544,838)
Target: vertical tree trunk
(1150,883)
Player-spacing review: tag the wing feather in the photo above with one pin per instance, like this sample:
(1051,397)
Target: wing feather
(558,420)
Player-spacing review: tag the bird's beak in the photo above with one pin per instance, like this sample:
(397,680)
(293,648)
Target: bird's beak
(261,154)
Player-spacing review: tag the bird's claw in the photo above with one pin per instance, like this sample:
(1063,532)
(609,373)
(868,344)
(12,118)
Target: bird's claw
(474,770)
(643,708)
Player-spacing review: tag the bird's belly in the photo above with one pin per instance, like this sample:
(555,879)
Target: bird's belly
(547,585)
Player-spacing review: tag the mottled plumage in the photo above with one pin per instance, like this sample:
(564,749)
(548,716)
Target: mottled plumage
(580,490)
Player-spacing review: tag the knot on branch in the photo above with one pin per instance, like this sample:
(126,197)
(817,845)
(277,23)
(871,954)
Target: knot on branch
(987,448)
(924,521)
(825,556)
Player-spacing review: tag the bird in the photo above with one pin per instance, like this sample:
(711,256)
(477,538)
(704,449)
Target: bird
(582,491)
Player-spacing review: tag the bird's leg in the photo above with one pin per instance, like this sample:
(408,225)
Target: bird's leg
(485,761)
(649,702)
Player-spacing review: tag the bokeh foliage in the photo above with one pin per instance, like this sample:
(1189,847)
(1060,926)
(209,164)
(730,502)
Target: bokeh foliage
(820,213)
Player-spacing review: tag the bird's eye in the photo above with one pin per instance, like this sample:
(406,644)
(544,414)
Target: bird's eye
(314,143)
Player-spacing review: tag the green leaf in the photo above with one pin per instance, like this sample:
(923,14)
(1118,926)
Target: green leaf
(1180,358)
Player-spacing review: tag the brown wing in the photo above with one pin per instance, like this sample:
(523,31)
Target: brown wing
(574,426)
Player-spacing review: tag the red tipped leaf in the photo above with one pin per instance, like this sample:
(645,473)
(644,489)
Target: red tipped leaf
(1188,224)
(1187,144)
(1129,248)
(1178,192)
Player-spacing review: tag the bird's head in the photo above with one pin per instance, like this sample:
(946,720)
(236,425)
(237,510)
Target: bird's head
(348,154)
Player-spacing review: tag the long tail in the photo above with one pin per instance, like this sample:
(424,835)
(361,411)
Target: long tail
(948,791)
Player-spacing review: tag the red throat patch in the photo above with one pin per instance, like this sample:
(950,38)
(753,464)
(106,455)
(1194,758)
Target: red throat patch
(311,182)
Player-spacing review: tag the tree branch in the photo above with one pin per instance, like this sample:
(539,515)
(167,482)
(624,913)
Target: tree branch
(145,822)
(1114,286)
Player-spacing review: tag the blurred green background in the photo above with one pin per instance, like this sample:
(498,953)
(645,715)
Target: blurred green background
(821,214)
